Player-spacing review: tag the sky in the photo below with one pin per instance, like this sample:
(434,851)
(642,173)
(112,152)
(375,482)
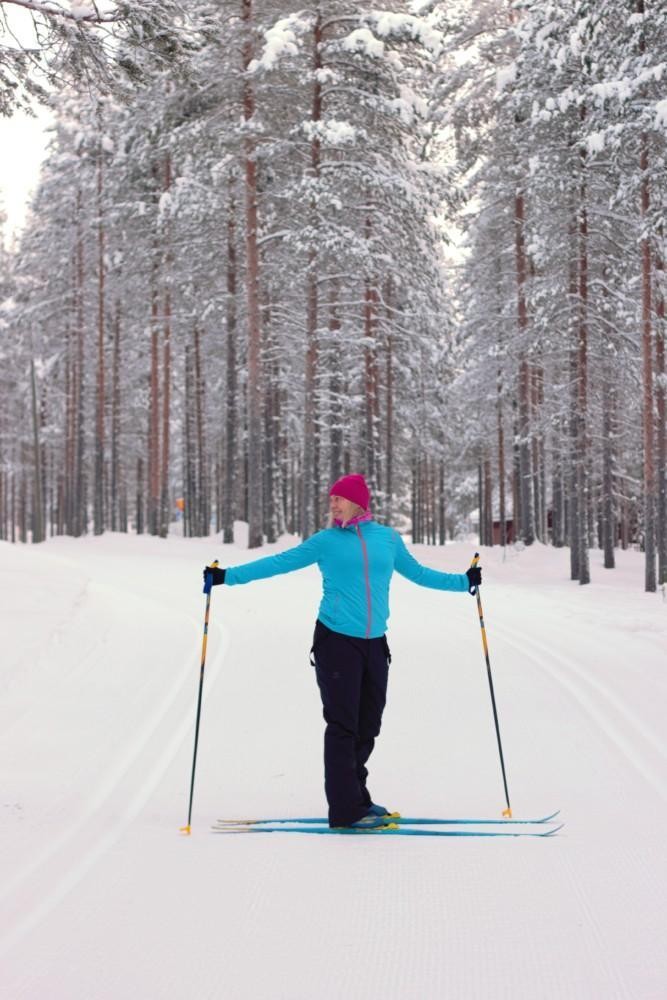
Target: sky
(23,143)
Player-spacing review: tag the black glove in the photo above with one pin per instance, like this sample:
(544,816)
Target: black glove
(474,575)
(217,575)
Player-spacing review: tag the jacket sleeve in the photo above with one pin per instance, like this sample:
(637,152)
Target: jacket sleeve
(407,566)
(283,562)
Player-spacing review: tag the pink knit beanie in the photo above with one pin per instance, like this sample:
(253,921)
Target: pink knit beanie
(352,488)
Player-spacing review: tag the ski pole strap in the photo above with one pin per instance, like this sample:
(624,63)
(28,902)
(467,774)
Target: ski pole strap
(208,582)
(472,589)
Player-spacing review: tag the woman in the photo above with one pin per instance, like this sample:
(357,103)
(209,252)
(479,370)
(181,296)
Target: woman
(357,557)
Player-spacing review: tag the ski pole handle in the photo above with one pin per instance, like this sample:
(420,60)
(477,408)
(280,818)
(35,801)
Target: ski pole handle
(473,590)
(208,582)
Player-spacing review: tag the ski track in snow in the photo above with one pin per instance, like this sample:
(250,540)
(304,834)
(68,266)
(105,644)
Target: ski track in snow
(609,714)
(74,851)
(116,906)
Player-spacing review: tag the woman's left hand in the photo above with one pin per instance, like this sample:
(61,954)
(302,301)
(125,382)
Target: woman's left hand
(217,575)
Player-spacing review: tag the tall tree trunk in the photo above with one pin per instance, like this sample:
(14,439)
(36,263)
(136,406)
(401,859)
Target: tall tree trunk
(254,387)
(573,504)
(269,458)
(203,509)
(488,501)
(189,474)
(608,437)
(442,508)
(516,474)
(414,497)
(336,388)
(100,395)
(115,424)
(609,431)
(661,394)
(80,518)
(38,529)
(389,422)
(70,432)
(647,358)
(502,510)
(310,493)
(538,456)
(371,379)
(527,516)
(3,506)
(582,382)
(647,378)
(139,515)
(165,504)
(13,511)
(154,405)
(231,401)
(557,487)
(480,503)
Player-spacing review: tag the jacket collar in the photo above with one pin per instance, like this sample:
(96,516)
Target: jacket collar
(366,516)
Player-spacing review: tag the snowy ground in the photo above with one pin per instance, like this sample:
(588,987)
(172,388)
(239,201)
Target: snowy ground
(102,899)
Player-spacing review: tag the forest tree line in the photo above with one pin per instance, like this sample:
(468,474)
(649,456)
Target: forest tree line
(424,242)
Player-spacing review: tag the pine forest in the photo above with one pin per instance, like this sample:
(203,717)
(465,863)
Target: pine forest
(271,244)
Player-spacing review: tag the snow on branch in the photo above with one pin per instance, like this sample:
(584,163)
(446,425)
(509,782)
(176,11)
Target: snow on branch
(282,41)
(625,88)
(364,41)
(332,132)
(505,77)
(661,114)
(421,7)
(86,12)
(405,26)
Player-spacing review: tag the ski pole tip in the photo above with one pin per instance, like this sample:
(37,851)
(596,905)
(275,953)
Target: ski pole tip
(507,813)
(186,830)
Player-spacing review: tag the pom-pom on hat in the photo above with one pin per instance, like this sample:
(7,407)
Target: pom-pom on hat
(352,488)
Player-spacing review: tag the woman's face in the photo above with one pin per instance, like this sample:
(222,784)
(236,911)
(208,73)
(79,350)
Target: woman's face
(342,509)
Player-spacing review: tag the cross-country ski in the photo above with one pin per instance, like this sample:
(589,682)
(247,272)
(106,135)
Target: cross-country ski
(393,829)
(394,818)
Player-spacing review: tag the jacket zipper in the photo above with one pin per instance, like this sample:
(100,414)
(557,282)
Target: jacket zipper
(368,582)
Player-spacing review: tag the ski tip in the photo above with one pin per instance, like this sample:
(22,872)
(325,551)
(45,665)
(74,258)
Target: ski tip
(554,829)
(242,822)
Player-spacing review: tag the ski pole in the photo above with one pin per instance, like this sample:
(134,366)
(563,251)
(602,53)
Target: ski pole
(475,590)
(208,583)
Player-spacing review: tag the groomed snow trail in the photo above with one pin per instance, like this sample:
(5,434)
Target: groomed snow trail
(102,898)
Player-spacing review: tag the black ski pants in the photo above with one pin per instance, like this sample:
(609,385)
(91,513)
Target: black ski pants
(352,677)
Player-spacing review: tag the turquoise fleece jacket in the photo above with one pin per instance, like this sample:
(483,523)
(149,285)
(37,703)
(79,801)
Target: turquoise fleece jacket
(356,563)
